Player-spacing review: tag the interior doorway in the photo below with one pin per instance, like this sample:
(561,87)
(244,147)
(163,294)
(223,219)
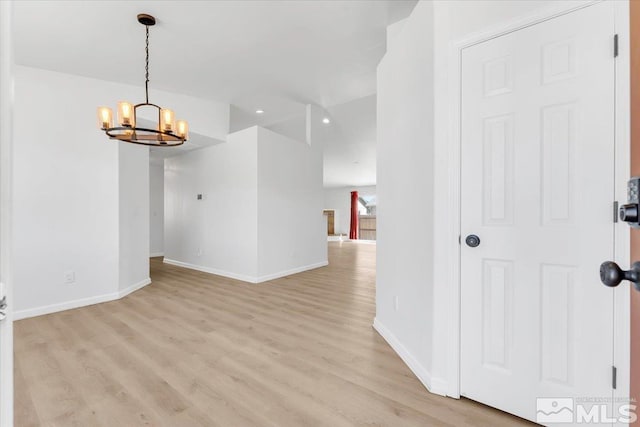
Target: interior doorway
(330,214)
(156,205)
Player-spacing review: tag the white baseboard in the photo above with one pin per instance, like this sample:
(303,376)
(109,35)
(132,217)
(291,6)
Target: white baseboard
(296,270)
(141,284)
(244,277)
(82,302)
(364,242)
(62,306)
(434,385)
(156,254)
(347,239)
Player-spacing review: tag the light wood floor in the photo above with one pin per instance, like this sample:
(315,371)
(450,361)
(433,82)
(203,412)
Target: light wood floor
(198,349)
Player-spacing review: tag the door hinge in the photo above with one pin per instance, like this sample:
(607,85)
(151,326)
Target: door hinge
(615,46)
(614,377)
(615,211)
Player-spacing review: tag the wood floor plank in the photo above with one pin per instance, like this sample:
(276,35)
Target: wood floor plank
(195,349)
(24,406)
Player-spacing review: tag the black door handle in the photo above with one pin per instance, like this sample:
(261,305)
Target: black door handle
(611,274)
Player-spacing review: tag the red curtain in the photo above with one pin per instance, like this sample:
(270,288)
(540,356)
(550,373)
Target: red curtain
(353,231)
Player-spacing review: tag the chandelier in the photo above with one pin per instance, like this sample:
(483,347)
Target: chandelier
(168,131)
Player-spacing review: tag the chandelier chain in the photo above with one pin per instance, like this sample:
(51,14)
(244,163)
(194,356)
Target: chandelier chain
(146,67)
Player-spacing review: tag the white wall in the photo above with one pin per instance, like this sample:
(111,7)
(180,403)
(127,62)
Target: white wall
(134,215)
(291,231)
(261,216)
(294,127)
(219,232)
(413,141)
(392,32)
(339,200)
(65,189)
(156,209)
(205,117)
(81,201)
(405,189)
(463,19)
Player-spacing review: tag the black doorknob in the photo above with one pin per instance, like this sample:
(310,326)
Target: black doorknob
(611,274)
(472,240)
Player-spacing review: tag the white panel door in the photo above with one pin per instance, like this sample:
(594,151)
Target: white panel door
(537,189)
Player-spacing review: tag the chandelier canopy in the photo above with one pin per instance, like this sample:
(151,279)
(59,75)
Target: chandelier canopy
(167,133)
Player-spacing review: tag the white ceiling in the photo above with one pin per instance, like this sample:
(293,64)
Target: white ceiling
(350,144)
(272,55)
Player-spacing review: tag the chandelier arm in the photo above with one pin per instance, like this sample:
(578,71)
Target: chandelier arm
(129,134)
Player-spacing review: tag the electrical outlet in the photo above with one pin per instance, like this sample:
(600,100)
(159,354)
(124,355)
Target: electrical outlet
(396,303)
(69,276)
(199,252)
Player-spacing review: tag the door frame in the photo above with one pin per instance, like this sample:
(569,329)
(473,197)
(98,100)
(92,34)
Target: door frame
(6,133)
(621,345)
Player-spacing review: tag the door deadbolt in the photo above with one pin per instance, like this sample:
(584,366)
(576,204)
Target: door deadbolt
(630,213)
(472,240)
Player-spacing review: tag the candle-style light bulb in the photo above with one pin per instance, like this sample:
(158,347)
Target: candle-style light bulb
(105,118)
(182,129)
(167,120)
(125,114)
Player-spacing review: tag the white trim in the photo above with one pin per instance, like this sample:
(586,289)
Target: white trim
(82,302)
(156,254)
(434,385)
(524,21)
(132,288)
(346,239)
(62,306)
(244,277)
(363,241)
(454,68)
(292,271)
(622,249)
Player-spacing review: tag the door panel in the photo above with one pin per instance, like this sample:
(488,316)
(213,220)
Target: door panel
(537,188)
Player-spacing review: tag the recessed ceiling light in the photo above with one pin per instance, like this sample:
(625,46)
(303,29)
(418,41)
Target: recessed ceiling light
(259,111)
(326,120)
